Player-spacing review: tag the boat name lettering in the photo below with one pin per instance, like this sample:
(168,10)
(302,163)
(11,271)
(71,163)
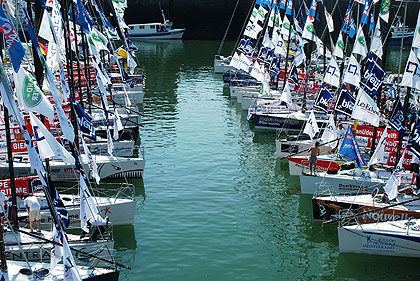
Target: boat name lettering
(379,244)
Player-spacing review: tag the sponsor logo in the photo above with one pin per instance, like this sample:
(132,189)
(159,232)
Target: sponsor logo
(379,244)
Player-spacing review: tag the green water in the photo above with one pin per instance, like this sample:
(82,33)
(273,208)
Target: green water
(215,204)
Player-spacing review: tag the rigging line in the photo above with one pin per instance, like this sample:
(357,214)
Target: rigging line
(74,249)
(227,29)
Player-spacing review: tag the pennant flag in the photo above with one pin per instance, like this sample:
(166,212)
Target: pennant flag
(110,142)
(117,124)
(312,9)
(384,10)
(360,43)
(293,75)
(345,102)
(311,127)
(350,148)
(339,47)
(283,4)
(379,154)
(70,269)
(332,73)
(391,187)
(330,132)
(414,140)
(261,14)
(365,14)
(56,254)
(257,71)
(372,24)
(267,42)
(131,63)
(352,73)
(365,109)
(411,76)
(397,117)
(30,96)
(416,40)
(285,28)
(289,7)
(252,30)
(346,20)
(286,96)
(88,209)
(323,99)
(330,21)
(309,30)
(11,38)
(300,56)
(376,44)
(373,76)
(92,165)
(48,145)
(352,30)
(85,122)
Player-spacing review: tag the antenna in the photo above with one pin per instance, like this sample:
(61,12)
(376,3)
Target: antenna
(163,14)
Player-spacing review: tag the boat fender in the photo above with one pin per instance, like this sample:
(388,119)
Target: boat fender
(25,271)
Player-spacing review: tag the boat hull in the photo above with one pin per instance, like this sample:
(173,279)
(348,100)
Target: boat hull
(375,241)
(272,122)
(171,34)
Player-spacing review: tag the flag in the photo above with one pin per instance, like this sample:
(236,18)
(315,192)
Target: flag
(289,7)
(323,99)
(252,30)
(414,140)
(352,30)
(245,63)
(312,9)
(411,76)
(416,40)
(373,77)
(346,20)
(309,30)
(352,72)
(329,19)
(117,124)
(253,16)
(283,4)
(286,96)
(384,10)
(332,73)
(365,109)
(339,47)
(365,14)
(70,269)
(345,102)
(267,42)
(376,44)
(110,143)
(11,39)
(56,254)
(131,63)
(350,148)
(30,96)
(360,43)
(293,75)
(257,71)
(285,28)
(397,117)
(391,187)
(91,162)
(48,145)
(88,209)
(379,154)
(85,122)
(330,132)
(261,14)
(371,24)
(299,56)
(311,127)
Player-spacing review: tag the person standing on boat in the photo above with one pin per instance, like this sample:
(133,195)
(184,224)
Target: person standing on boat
(98,224)
(314,151)
(34,210)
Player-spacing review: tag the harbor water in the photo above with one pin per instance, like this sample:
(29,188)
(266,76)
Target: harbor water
(215,204)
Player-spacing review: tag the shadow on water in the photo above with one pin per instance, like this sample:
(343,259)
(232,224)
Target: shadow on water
(372,267)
